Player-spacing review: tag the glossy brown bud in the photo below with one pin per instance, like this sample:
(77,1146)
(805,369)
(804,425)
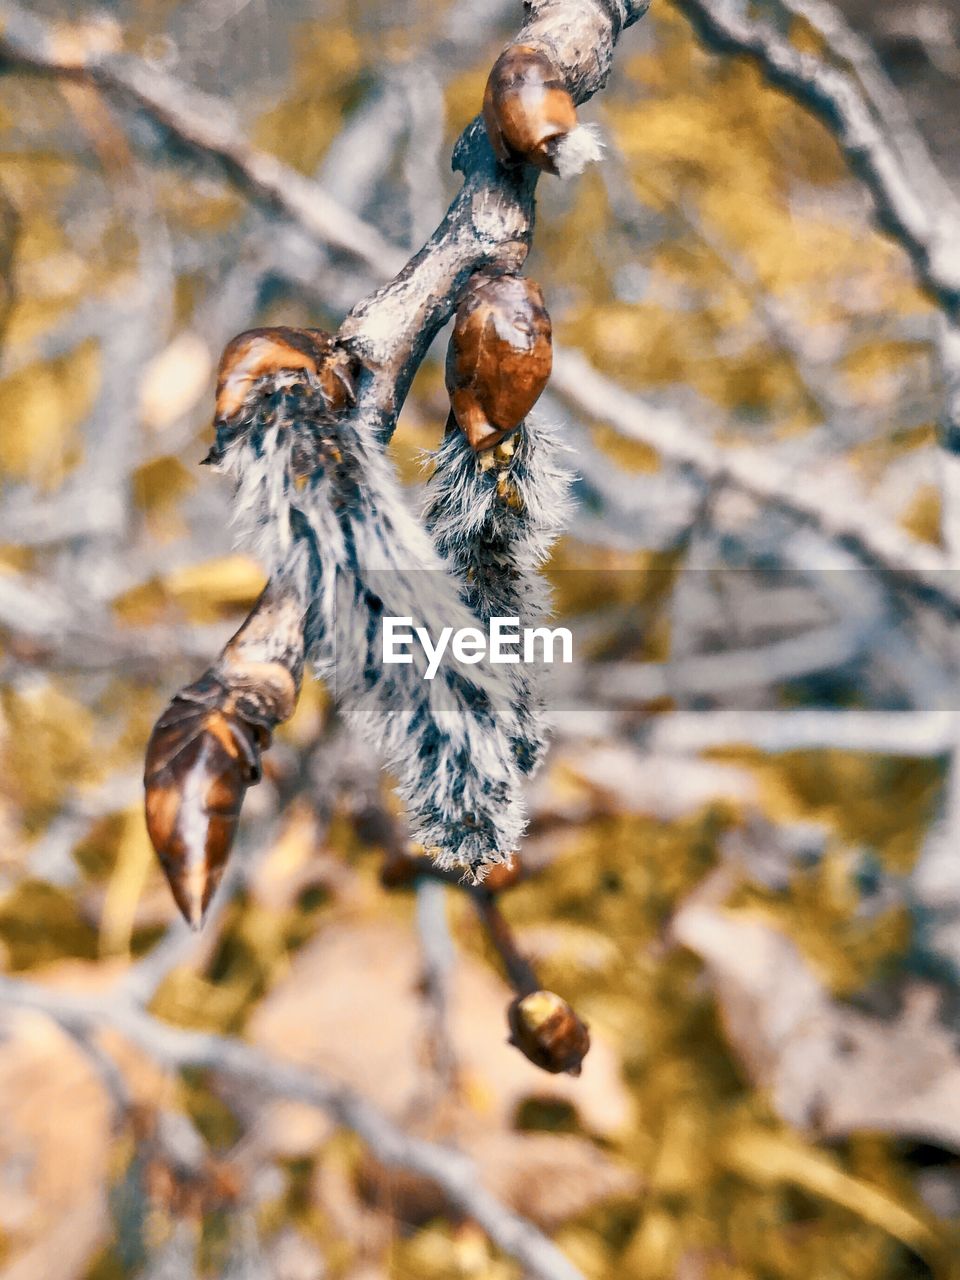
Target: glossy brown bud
(203,754)
(259,354)
(548,1032)
(499,358)
(530,115)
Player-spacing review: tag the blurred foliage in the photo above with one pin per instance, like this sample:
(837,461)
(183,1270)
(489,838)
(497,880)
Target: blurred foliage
(721,202)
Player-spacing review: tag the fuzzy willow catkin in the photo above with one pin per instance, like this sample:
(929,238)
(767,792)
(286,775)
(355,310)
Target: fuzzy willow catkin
(495,517)
(316,496)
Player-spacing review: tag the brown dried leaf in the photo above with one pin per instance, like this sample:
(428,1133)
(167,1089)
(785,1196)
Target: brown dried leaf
(829,1068)
(365,1027)
(53,1211)
(548,1177)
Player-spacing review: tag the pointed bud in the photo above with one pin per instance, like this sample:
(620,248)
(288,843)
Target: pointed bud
(500,357)
(202,756)
(548,1032)
(531,117)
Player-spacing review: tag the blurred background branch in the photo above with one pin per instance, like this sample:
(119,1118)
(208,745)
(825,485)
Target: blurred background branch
(741,864)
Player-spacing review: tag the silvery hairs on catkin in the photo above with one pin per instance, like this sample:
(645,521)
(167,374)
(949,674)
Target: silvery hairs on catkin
(496,526)
(317,500)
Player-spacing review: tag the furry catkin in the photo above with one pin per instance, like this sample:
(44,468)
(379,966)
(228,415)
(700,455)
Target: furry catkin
(577,149)
(317,499)
(496,525)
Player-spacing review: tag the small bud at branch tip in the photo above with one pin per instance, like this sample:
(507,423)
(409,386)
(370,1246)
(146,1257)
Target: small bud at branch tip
(546,1030)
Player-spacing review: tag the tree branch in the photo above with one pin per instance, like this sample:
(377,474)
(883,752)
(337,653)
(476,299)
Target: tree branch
(915,734)
(490,223)
(873,129)
(320,502)
(834,508)
(452,1172)
(929,232)
(204,126)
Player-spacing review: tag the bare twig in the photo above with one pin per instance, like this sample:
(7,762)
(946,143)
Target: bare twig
(437,955)
(519,970)
(896,733)
(490,223)
(912,201)
(403,870)
(730,670)
(452,1172)
(833,506)
(888,106)
(204,126)
(928,231)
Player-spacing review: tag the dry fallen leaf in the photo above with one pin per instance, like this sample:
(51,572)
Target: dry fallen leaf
(829,1068)
(548,1177)
(366,1028)
(53,1207)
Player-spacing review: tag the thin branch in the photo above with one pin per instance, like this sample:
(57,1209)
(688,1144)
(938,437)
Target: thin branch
(934,876)
(729,671)
(519,970)
(202,124)
(929,232)
(490,223)
(889,107)
(111,1077)
(453,1172)
(898,733)
(437,959)
(873,129)
(833,507)
(403,870)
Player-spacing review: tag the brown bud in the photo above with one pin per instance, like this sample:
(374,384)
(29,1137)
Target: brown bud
(548,1032)
(258,354)
(500,357)
(203,754)
(530,115)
